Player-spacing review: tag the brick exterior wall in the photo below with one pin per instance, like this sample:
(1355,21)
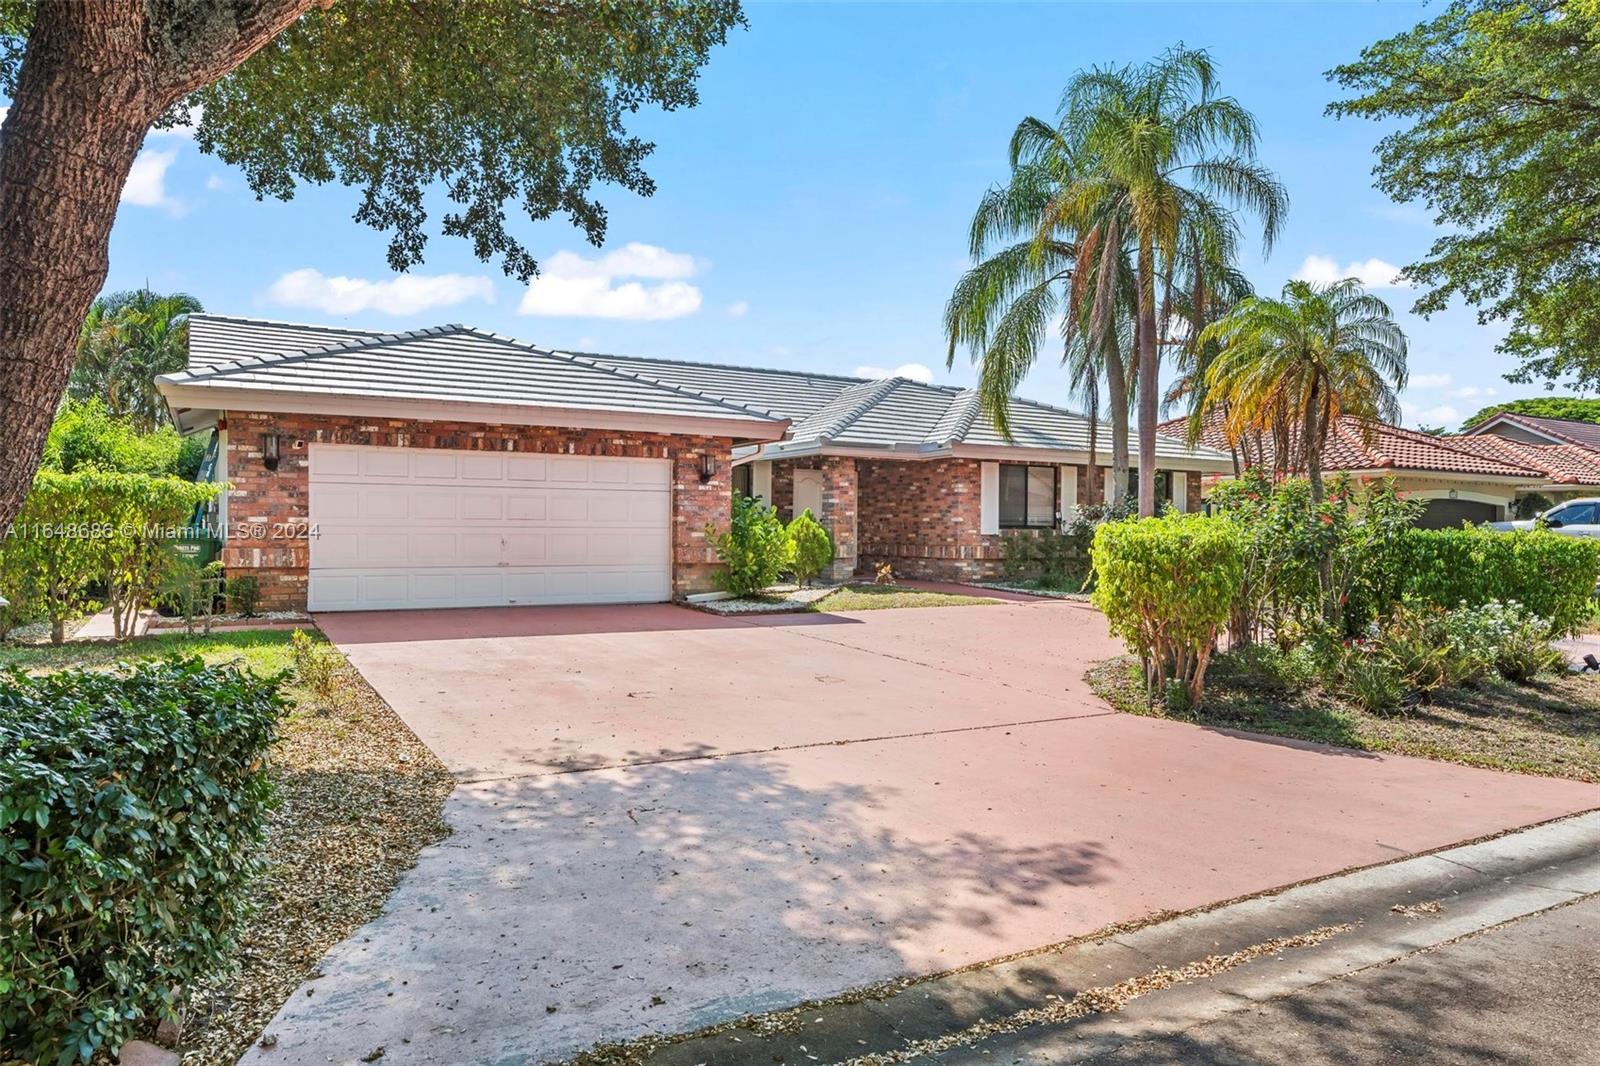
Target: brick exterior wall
(840,515)
(272,500)
(923,518)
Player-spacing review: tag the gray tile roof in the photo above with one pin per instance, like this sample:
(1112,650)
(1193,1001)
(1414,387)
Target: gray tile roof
(215,339)
(894,411)
(464,364)
(460,364)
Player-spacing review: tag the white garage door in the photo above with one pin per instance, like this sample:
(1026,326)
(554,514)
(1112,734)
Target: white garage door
(420,527)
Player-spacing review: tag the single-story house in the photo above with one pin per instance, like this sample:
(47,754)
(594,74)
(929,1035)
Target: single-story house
(1567,451)
(1461,478)
(454,467)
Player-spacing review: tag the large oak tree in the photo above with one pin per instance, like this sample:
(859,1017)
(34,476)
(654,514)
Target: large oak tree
(1497,109)
(501,105)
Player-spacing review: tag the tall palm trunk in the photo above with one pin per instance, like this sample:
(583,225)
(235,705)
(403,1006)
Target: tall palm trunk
(1094,447)
(1117,389)
(1149,374)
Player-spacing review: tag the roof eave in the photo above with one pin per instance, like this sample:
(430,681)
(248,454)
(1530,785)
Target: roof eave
(182,397)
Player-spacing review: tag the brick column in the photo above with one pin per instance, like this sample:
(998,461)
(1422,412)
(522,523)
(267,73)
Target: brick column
(839,484)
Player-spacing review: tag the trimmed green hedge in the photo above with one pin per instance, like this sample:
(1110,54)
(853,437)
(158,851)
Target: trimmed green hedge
(1167,586)
(1552,575)
(132,806)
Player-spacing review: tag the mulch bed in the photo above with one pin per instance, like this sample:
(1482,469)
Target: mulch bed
(360,797)
(1550,728)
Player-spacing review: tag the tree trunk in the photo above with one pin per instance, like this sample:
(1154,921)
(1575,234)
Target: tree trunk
(1149,378)
(1117,387)
(94,77)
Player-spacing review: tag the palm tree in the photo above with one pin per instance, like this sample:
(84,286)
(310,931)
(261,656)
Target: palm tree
(1292,367)
(1161,160)
(1029,274)
(1198,306)
(127,340)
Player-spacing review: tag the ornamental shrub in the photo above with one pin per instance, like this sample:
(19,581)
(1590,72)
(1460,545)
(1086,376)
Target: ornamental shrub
(1370,681)
(1551,575)
(754,549)
(117,531)
(87,436)
(810,546)
(316,664)
(1167,585)
(132,807)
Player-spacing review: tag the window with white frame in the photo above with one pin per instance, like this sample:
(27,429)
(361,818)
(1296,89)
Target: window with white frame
(1027,496)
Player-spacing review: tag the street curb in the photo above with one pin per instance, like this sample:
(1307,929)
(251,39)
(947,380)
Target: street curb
(1482,883)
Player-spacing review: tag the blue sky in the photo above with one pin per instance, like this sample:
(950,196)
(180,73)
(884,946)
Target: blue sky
(812,212)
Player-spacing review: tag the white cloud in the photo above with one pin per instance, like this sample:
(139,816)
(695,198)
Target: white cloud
(215,183)
(913,371)
(1429,381)
(572,286)
(403,294)
(1476,392)
(1373,273)
(147,181)
(1442,414)
(738,309)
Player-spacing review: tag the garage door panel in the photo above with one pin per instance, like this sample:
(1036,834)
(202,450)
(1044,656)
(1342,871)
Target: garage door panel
(480,548)
(569,507)
(650,474)
(435,505)
(435,549)
(527,468)
(610,510)
(385,503)
(569,470)
(431,528)
(525,548)
(436,464)
(483,467)
(392,463)
(650,509)
(526,507)
(337,502)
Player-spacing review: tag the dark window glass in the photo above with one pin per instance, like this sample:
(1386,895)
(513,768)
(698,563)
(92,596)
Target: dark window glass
(1027,496)
(1577,514)
(741,480)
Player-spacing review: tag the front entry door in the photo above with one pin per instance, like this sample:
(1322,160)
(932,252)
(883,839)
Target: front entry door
(808,492)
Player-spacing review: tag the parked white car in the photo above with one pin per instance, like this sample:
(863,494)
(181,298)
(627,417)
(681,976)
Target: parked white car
(1574,518)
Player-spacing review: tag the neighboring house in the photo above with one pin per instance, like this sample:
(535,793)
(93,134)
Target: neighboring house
(1460,479)
(453,467)
(1568,452)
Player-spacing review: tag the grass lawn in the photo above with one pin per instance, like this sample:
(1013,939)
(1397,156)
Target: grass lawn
(1551,727)
(877,597)
(359,796)
(263,650)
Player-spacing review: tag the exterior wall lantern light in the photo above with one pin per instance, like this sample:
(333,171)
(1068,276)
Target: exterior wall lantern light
(269,451)
(708,467)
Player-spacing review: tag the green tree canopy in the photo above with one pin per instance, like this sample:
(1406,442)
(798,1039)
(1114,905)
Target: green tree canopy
(1569,407)
(471,120)
(1499,102)
(128,339)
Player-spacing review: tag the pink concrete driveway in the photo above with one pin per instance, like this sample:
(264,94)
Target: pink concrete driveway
(669,819)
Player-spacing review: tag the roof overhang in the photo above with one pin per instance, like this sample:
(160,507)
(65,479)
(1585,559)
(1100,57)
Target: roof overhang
(198,406)
(1514,480)
(1015,453)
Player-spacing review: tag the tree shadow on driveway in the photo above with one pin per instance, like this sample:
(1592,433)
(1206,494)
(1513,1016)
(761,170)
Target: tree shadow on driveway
(574,908)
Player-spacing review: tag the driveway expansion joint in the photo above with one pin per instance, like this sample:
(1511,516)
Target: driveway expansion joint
(842,742)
